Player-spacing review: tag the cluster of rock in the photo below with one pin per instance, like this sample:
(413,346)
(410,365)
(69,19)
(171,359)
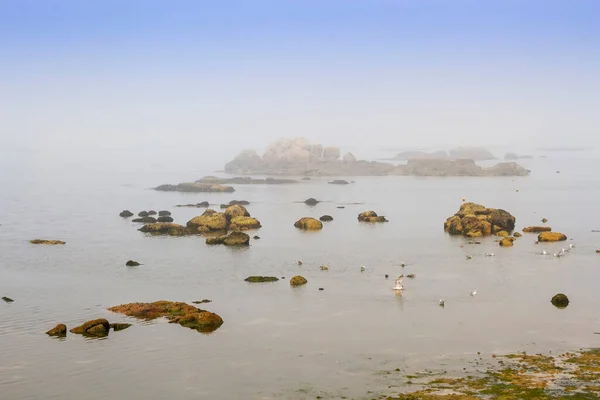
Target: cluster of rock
(297,157)
(371,216)
(148,217)
(94,328)
(179,313)
(474,220)
(195,187)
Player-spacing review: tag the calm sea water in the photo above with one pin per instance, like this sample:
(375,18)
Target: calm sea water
(278,342)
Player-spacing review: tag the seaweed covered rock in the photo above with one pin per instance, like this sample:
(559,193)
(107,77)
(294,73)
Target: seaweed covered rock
(132,263)
(298,281)
(326,218)
(125,214)
(236,210)
(95,328)
(165,218)
(176,312)
(551,237)
(165,228)
(537,229)
(239,202)
(475,220)
(209,221)
(503,234)
(371,216)
(259,279)
(244,223)
(45,241)
(560,300)
(59,330)
(145,220)
(507,242)
(7,299)
(309,224)
(517,235)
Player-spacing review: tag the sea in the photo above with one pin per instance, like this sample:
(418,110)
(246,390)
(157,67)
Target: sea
(356,338)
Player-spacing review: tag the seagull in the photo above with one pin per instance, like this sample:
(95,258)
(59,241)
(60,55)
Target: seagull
(544,252)
(442,302)
(558,254)
(473,293)
(571,245)
(362,269)
(489,254)
(398,283)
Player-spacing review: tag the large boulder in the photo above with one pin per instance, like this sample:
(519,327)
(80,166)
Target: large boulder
(331,153)
(236,210)
(180,313)
(316,151)
(246,161)
(286,151)
(209,221)
(95,328)
(165,228)
(309,224)
(475,220)
(551,237)
(371,216)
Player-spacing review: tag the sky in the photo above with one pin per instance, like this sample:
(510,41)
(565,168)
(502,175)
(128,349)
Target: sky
(191,77)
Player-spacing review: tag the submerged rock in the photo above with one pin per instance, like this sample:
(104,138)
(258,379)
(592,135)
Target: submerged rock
(165,228)
(145,220)
(7,299)
(132,263)
(371,216)
(326,218)
(560,300)
(537,229)
(126,214)
(475,220)
(202,301)
(204,204)
(165,218)
(311,201)
(309,224)
(119,326)
(164,213)
(59,330)
(44,241)
(176,312)
(298,281)
(551,237)
(339,182)
(95,328)
(259,279)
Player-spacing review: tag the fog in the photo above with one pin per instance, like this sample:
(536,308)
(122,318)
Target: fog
(152,80)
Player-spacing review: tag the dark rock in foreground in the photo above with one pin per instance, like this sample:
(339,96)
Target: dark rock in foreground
(560,300)
(132,263)
(95,328)
(143,214)
(59,330)
(152,212)
(259,279)
(474,220)
(126,214)
(176,312)
(194,187)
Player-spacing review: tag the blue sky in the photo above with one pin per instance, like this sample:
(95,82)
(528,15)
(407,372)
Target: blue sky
(109,73)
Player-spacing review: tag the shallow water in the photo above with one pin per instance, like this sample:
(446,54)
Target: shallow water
(279,342)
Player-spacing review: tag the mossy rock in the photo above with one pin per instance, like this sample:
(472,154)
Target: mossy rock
(309,224)
(502,234)
(125,214)
(165,228)
(215,240)
(243,223)
(560,300)
(260,279)
(517,235)
(59,330)
(7,299)
(119,326)
(475,220)
(371,216)
(44,241)
(551,237)
(132,263)
(537,229)
(233,239)
(236,210)
(507,242)
(95,328)
(298,281)
(176,312)
(209,221)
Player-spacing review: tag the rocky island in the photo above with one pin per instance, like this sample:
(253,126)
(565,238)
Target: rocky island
(298,157)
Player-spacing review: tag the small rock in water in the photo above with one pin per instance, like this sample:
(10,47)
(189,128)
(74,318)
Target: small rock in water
(341,207)
(126,214)
(164,213)
(165,218)
(59,330)
(473,293)
(299,262)
(7,299)
(321,288)
(298,281)
(143,214)
(442,303)
(544,220)
(412,276)
(119,326)
(386,276)
(132,263)
(560,300)
(256,237)
(324,267)
(152,212)
(260,279)
(202,301)
(311,201)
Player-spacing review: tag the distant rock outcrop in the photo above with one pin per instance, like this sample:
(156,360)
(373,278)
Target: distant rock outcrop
(298,157)
(421,155)
(515,156)
(195,187)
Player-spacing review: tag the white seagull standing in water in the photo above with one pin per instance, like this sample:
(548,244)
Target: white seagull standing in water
(398,283)
(442,303)
(473,293)
(544,252)
(362,269)
(489,254)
